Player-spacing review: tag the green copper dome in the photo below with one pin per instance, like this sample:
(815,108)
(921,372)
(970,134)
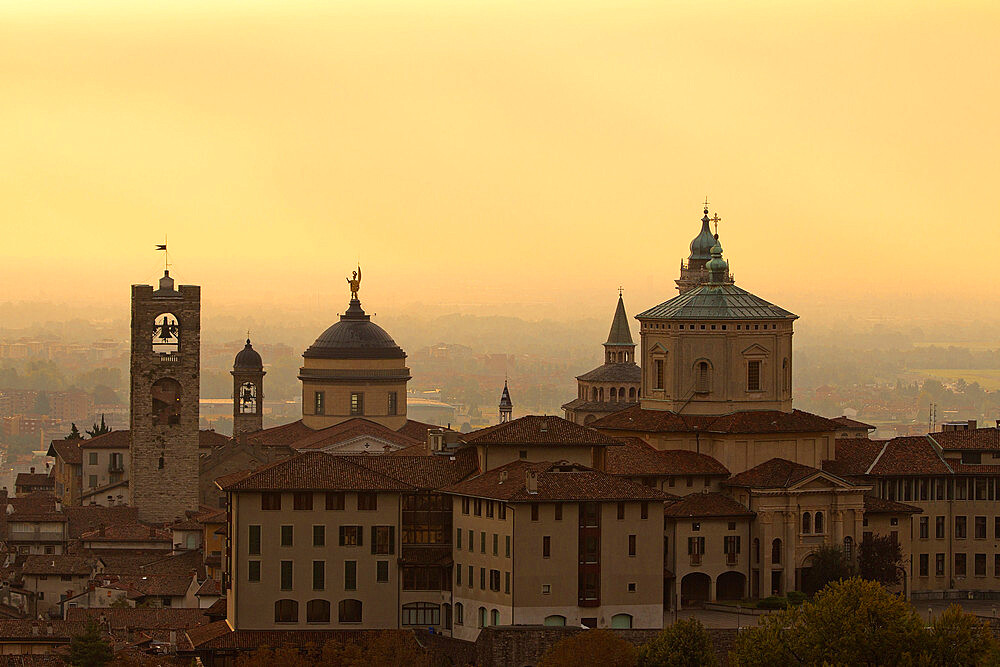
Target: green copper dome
(717,267)
(701,246)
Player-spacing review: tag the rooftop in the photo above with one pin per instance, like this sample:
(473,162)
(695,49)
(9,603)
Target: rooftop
(314,470)
(773,474)
(617,372)
(706,505)
(746,421)
(716,301)
(538,430)
(635,458)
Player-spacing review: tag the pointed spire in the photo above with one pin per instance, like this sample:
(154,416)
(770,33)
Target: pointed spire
(506,405)
(620,333)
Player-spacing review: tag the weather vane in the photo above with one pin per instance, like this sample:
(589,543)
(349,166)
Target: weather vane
(163,247)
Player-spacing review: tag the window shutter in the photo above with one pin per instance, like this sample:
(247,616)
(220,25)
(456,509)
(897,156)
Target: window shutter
(392,540)
(374,538)
(361,536)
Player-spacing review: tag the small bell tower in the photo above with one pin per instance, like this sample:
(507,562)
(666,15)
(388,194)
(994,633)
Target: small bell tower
(248,391)
(506,406)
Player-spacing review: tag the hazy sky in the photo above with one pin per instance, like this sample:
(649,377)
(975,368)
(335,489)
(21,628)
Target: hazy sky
(483,152)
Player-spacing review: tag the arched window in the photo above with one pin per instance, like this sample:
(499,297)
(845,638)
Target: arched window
(806,523)
(248,398)
(459,613)
(614,394)
(776,552)
(621,394)
(555,620)
(286,611)
(631,393)
(703,378)
(621,621)
(421,613)
(848,547)
(318,611)
(593,391)
(166,334)
(495,617)
(166,395)
(600,393)
(482,617)
(818,522)
(349,611)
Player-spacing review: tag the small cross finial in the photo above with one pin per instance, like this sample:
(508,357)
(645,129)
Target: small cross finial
(619,291)
(706,203)
(716,219)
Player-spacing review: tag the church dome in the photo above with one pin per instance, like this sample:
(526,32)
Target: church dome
(248,359)
(355,336)
(701,246)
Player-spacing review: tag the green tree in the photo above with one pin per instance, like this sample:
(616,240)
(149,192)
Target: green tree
(828,563)
(850,622)
(99,430)
(879,559)
(89,649)
(593,647)
(957,638)
(683,644)
(74,433)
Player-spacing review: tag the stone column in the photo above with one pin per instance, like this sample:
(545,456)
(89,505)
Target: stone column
(788,558)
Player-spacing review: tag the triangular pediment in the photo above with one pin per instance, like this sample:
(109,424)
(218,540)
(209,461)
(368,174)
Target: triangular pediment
(658,349)
(755,350)
(361,444)
(821,480)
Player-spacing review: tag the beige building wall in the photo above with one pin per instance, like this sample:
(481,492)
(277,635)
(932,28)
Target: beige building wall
(99,473)
(251,604)
(703,571)
(337,390)
(49,587)
(479,555)
(727,351)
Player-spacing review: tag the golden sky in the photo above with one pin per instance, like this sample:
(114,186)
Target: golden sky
(494,152)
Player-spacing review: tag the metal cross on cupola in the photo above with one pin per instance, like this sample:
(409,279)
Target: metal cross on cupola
(716,219)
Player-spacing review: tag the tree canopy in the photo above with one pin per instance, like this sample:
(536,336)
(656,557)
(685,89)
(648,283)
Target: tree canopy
(828,563)
(593,647)
(683,644)
(89,649)
(879,559)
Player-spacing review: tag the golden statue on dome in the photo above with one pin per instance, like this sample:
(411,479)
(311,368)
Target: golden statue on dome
(355,282)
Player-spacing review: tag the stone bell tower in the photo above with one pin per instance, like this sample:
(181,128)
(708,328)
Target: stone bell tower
(248,391)
(165,366)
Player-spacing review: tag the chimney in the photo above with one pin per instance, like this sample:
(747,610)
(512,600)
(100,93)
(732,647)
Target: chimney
(58,505)
(531,481)
(173,639)
(543,426)
(972,424)
(503,476)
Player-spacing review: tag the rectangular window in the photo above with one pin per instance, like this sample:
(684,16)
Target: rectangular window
(534,511)
(472,540)
(286,575)
(631,545)
(302,500)
(506,583)
(924,564)
(357,403)
(939,565)
(489,509)
(696,547)
(753,375)
(465,505)
(996,565)
(477,507)
(382,571)
(253,541)
(270,501)
(458,538)
(558,511)
(960,565)
(621,511)
(960,528)
(319,575)
(350,575)
(458,575)
(253,570)
(92,458)
(507,546)
(482,578)
(482,542)
(318,400)
(658,374)
(546,546)
(924,527)
(503,512)
(644,510)
(496,544)
(468,581)
(335,500)
(980,528)
(939,527)
(996,527)
(495,580)
(980,565)
(368,501)
(286,536)
(392,403)
(319,536)
(350,536)
(383,540)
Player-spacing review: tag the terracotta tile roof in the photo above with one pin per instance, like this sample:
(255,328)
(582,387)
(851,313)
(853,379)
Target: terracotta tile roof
(352,428)
(637,458)
(311,471)
(217,608)
(875,505)
(853,456)
(112,440)
(538,430)
(972,468)
(418,430)
(556,482)
(585,405)
(747,421)
(706,505)
(85,518)
(210,587)
(847,422)
(977,438)
(202,635)
(120,561)
(187,524)
(34,479)
(909,455)
(419,449)
(208,438)
(36,506)
(772,474)
(128,532)
(67,450)
(211,516)
(284,435)
(153,585)
(420,472)
(141,618)
(60,564)
(627,372)
(37,631)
